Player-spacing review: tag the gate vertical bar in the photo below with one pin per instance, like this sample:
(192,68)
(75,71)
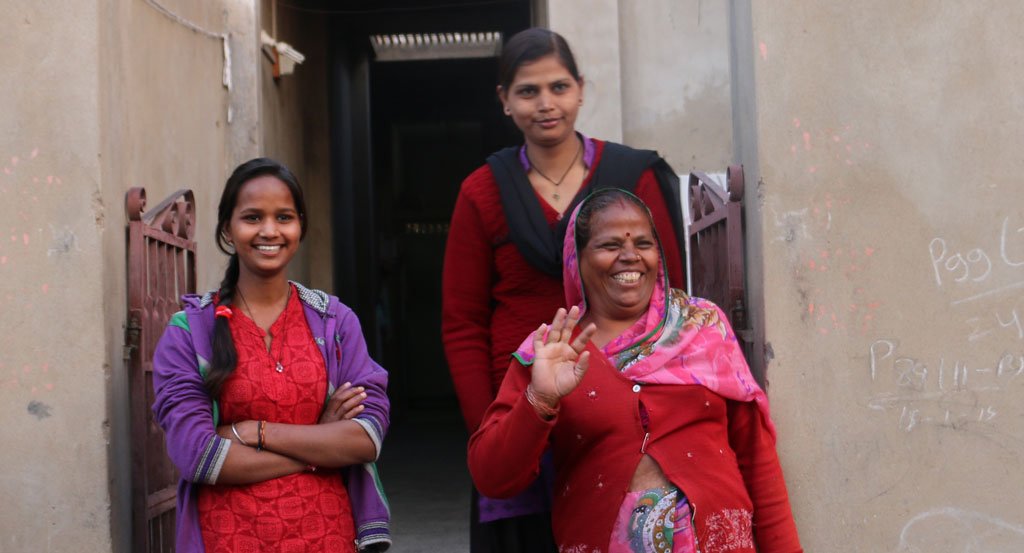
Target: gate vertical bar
(161,267)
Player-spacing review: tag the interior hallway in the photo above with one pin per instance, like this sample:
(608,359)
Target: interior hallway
(423,468)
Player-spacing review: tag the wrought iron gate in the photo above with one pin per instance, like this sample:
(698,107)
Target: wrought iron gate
(716,249)
(161,267)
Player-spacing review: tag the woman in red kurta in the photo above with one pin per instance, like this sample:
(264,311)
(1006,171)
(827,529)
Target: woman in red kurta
(301,512)
(276,475)
(502,270)
(662,439)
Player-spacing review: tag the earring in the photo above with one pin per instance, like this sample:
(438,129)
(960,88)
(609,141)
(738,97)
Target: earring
(508,111)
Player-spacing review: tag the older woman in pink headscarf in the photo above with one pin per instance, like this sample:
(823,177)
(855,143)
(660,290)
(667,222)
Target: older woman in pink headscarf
(661,437)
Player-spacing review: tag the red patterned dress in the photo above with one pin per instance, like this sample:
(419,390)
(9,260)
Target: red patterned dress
(305,512)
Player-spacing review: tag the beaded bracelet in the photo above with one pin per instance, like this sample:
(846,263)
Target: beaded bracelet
(262,429)
(544,410)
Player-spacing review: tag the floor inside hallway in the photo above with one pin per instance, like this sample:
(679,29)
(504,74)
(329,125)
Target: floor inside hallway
(423,469)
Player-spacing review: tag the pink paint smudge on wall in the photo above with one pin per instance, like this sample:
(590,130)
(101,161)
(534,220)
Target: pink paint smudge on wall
(45,287)
(764,50)
(35,152)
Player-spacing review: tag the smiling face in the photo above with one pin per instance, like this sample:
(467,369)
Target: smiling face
(543,100)
(265,228)
(619,263)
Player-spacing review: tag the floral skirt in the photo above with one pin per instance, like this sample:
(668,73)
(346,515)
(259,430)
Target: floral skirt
(653,521)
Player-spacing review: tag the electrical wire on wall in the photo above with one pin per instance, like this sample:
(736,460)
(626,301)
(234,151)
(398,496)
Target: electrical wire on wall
(223,37)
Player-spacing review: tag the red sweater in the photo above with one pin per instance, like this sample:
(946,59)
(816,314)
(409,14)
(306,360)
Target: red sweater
(492,298)
(718,452)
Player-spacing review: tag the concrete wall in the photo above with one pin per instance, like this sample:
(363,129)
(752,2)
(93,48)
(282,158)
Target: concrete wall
(657,75)
(54,367)
(294,121)
(674,60)
(888,139)
(106,95)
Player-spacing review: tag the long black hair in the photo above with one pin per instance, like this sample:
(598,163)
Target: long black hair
(225,357)
(529,46)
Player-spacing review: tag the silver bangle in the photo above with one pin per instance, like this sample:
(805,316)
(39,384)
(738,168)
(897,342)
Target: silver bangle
(235,432)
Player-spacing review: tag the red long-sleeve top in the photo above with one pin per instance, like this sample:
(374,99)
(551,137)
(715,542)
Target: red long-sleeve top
(492,298)
(719,452)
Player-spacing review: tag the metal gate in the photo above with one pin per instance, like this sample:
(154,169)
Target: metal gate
(161,267)
(716,249)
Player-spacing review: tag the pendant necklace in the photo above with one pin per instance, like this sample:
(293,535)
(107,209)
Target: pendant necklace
(284,313)
(555,194)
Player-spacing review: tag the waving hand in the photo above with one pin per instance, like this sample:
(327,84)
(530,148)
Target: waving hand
(558,364)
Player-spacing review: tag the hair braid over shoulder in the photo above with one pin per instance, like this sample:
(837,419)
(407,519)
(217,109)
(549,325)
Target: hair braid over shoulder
(225,357)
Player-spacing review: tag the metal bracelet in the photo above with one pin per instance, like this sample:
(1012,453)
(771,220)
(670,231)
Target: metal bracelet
(237,435)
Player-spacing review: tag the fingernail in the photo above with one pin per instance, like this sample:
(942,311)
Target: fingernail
(361,388)
(346,385)
(362,394)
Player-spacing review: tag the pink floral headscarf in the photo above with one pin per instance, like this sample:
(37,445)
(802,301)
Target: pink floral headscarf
(679,340)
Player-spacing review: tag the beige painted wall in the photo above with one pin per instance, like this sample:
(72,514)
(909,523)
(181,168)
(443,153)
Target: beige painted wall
(675,81)
(294,122)
(888,136)
(107,95)
(54,367)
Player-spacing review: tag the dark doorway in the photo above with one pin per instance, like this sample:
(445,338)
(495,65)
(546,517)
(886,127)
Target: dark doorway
(433,122)
(404,136)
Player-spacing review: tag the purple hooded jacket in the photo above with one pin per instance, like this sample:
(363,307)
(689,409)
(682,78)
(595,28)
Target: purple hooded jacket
(189,417)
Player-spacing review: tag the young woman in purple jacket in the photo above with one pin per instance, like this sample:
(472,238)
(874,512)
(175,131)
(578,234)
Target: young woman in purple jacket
(273,411)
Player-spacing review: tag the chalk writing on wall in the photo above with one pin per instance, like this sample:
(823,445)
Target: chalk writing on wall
(963,385)
(956,530)
(960,268)
(941,390)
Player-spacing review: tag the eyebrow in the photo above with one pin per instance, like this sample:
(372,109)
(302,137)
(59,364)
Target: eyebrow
(258,210)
